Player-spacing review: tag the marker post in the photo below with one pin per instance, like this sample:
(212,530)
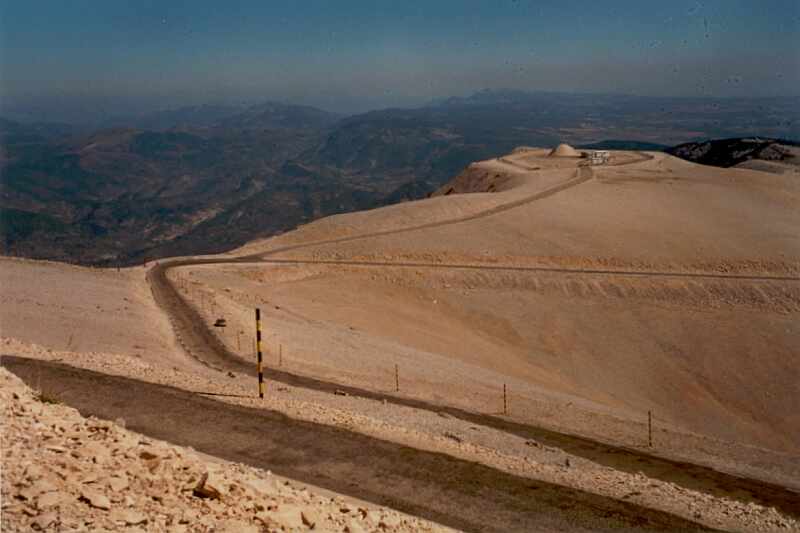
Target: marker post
(260,357)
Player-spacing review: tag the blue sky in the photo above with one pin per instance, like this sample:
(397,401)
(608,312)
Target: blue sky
(356,55)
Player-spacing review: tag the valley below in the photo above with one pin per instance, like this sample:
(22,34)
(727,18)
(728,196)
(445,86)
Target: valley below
(209,178)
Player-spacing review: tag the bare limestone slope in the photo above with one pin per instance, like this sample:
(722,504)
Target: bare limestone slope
(662,285)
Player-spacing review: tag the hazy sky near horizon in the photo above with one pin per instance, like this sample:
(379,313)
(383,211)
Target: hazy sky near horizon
(356,55)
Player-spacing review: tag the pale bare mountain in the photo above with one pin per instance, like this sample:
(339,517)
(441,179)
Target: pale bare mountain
(650,283)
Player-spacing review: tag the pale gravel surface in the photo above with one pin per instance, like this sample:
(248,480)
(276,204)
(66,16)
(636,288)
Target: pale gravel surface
(330,338)
(64,472)
(710,356)
(430,431)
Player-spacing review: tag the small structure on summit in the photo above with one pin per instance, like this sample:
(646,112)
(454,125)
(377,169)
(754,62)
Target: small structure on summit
(564,150)
(600,157)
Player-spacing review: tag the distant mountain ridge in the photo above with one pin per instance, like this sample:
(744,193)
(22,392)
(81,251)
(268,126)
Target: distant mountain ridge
(266,115)
(200,116)
(730,152)
(203,179)
(273,115)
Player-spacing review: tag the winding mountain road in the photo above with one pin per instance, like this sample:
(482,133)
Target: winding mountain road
(198,339)
(479,498)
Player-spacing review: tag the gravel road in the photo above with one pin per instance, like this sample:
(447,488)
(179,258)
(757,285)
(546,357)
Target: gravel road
(435,486)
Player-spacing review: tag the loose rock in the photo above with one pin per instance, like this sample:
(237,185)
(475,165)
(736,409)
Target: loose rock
(309,517)
(95,499)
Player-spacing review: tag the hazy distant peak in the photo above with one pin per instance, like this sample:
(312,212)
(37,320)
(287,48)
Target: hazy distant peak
(491,97)
(279,115)
(194,116)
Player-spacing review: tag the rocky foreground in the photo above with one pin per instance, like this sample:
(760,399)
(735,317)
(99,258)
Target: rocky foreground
(63,472)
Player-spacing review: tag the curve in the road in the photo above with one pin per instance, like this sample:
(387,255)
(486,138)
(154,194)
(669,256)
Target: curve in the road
(582,174)
(207,348)
(200,342)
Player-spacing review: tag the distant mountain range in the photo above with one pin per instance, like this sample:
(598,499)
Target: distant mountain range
(731,152)
(205,179)
(200,116)
(269,115)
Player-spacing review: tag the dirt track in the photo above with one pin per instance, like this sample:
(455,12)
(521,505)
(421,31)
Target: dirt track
(451,491)
(198,341)
(202,344)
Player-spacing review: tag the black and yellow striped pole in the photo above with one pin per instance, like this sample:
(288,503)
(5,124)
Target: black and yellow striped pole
(258,348)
